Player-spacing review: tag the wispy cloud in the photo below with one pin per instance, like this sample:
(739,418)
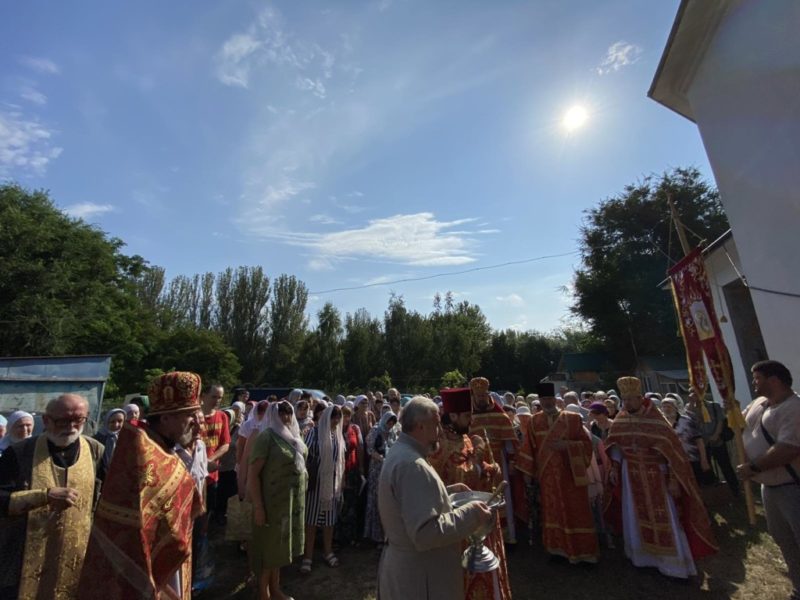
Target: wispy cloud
(85,210)
(26,145)
(324,219)
(620,54)
(415,239)
(511,299)
(31,94)
(40,65)
(287,189)
(266,42)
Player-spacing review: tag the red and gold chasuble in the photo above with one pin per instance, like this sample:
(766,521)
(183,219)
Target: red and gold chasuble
(455,462)
(647,443)
(567,524)
(142,532)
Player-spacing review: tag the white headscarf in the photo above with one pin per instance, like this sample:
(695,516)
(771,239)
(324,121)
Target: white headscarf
(331,468)
(294,396)
(254,423)
(289,434)
(8,438)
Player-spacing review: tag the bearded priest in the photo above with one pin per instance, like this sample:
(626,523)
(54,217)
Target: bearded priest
(465,460)
(47,492)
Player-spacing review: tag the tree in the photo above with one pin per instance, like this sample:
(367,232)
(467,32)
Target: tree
(362,347)
(323,350)
(288,328)
(202,351)
(67,288)
(627,245)
(242,317)
(453,379)
(408,345)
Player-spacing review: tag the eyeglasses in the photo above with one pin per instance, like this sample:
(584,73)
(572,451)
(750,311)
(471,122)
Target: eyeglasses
(69,421)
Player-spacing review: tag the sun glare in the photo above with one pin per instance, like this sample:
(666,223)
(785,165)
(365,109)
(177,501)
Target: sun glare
(575,118)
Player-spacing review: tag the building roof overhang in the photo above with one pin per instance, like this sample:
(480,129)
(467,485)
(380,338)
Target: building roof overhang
(692,31)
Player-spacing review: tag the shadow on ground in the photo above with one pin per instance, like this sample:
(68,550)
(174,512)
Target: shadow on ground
(748,566)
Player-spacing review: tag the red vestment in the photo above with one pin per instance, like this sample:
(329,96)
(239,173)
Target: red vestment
(647,442)
(142,531)
(567,524)
(455,462)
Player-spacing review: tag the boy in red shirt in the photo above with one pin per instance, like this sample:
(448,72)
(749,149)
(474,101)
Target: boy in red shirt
(217,438)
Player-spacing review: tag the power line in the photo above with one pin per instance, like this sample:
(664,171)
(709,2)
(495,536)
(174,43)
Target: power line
(450,274)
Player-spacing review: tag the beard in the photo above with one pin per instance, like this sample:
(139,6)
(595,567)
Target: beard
(186,439)
(64,439)
(459,429)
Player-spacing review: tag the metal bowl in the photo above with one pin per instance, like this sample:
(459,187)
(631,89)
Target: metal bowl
(461,498)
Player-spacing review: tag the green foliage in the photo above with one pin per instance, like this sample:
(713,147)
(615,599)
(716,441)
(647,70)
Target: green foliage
(288,327)
(380,382)
(202,351)
(628,243)
(453,379)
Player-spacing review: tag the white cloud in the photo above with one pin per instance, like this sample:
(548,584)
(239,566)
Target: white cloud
(520,324)
(33,95)
(25,144)
(266,42)
(314,86)
(416,239)
(511,299)
(40,64)
(323,219)
(277,194)
(620,54)
(233,68)
(84,210)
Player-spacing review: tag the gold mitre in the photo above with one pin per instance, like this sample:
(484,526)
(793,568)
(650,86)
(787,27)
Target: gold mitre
(479,385)
(629,386)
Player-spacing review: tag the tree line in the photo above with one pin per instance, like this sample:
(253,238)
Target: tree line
(66,287)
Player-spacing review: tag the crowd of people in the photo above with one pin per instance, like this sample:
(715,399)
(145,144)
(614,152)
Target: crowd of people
(127,513)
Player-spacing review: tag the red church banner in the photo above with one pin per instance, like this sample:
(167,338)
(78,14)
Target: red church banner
(699,326)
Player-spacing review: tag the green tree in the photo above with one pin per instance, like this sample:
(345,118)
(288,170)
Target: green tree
(627,245)
(453,379)
(323,350)
(67,288)
(288,328)
(380,383)
(242,317)
(408,345)
(363,348)
(202,351)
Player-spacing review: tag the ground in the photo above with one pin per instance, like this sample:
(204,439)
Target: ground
(749,565)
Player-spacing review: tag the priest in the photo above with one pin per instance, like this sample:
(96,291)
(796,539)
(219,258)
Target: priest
(47,492)
(141,541)
(460,459)
(664,524)
(556,452)
(491,423)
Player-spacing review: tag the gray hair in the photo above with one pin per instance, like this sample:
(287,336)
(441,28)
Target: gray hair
(418,409)
(573,396)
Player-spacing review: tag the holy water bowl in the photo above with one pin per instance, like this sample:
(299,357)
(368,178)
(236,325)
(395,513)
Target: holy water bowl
(478,558)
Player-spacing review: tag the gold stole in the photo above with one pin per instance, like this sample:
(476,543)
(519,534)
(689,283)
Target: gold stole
(559,430)
(55,543)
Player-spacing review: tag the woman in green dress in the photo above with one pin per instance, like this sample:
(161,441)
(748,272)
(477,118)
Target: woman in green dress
(276,484)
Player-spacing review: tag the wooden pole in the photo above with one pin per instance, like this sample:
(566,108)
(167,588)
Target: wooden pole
(733,422)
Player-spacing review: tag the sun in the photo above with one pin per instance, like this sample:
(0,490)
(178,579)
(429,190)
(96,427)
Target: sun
(575,118)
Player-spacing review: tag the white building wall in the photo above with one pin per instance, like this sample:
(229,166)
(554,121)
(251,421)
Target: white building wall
(745,98)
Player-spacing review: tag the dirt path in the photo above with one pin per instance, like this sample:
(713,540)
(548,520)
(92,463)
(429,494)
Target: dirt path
(748,566)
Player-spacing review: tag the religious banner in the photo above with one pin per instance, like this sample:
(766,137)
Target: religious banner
(699,326)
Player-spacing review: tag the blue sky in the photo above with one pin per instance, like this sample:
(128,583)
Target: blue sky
(347,143)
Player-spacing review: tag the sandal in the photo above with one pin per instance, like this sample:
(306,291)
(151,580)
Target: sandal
(305,568)
(331,560)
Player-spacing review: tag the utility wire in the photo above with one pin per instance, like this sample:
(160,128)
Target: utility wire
(451,273)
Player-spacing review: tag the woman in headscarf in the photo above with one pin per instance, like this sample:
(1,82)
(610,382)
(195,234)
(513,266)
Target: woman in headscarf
(20,427)
(348,530)
(277,487)
(254,425)
(326,450)
(132,414)
(108,434)
(378,442)
(362,415)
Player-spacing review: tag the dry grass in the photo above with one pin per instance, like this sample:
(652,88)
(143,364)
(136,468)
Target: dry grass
(748,566)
